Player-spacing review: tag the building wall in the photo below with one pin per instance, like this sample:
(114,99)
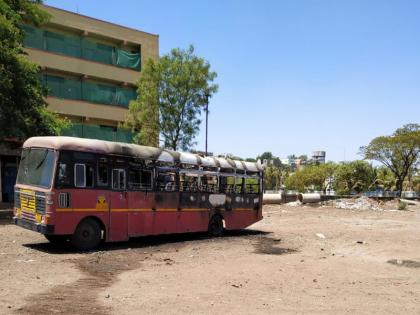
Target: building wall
(78,26)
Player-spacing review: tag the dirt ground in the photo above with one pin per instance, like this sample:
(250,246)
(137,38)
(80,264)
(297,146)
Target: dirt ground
(297,260)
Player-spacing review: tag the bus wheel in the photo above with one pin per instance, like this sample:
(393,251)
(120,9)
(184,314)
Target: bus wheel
(216,226)
(87,235)
(56,239)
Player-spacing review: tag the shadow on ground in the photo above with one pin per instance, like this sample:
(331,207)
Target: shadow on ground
(144,242)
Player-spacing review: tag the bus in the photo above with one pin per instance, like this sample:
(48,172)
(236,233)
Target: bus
(90,191)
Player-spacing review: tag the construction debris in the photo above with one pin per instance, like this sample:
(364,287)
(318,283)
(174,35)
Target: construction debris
(361,203)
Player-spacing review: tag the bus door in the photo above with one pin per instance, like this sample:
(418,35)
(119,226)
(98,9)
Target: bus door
(118,214)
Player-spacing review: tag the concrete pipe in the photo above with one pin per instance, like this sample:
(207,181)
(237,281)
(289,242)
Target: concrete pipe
(272,199)
(309,198)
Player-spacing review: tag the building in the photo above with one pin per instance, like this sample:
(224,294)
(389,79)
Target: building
(318,157)
(90,68)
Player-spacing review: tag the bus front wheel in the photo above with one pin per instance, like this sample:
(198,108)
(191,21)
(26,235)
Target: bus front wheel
(87,235)
(216,226)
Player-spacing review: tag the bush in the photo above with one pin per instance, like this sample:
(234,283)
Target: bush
(402,205)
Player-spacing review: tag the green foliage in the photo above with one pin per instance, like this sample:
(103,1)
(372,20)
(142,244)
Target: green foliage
(385,179)
(275,176)
(251,160)
(172,93)
(265,156)
(398,152)
(23,111)
(356,176)
(313,177)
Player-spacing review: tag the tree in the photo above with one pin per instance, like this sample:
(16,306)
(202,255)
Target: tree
(275,176)
(356,176)
(313,177)
(23,110)
(385,179)
(399,152)
(172,92)
(265,156)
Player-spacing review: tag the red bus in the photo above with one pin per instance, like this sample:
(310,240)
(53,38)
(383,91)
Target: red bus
(88,191)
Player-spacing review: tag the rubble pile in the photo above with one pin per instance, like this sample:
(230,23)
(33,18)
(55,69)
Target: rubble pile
(361,203)
(296,203)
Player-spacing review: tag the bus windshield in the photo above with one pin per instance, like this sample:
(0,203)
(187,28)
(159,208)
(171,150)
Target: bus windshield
(36,167)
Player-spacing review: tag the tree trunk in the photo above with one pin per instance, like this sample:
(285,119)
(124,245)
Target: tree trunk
(399,186)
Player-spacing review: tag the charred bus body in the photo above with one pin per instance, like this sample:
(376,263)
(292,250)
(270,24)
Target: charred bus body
(88,191)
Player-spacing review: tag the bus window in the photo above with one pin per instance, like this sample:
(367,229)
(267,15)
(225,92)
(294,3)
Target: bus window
(188,182)
(166,181)
(102,172)
(146,180)
(252,185)
(89,176)
(36,167)
(79,175)
(139,179)
(239,185)
(227,184)
(118,179)
(209,183)
(83,175)
(63,174)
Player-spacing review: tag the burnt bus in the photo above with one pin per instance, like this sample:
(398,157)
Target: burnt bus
(86,191)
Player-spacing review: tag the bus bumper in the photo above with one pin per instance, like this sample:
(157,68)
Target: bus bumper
(44,229)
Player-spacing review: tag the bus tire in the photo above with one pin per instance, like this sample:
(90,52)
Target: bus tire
(56,239)
(87,235)
(216,226)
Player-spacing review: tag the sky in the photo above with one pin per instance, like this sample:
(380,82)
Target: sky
(294,76)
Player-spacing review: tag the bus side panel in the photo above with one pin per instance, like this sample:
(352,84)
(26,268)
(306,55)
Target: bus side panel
(118,217)
(193,221)
(240,219)
(140,206)
(82,203)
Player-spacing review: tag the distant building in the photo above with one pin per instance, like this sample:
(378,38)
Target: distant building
(318,157)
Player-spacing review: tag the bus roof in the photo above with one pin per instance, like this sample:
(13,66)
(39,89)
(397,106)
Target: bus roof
(138,151)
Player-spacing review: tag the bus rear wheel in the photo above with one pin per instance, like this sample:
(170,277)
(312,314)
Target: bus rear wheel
(216,226)
(87,235)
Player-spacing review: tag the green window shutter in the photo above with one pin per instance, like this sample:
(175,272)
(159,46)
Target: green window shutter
(127,59)
(97,52)
(123,96)
(75,130)
(55,42)
(98,93)
(71,89)
(34,37)
(73,46)
(97,132)
(54,85)
(123,135)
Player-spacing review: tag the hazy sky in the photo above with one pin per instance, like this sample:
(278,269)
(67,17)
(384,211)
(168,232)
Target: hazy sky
(294,76)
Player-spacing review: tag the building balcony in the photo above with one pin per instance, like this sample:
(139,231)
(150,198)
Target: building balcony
(78,108)
(80,66)
(98,132)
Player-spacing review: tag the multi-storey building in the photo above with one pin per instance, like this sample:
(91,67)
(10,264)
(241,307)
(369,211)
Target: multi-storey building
(90,68)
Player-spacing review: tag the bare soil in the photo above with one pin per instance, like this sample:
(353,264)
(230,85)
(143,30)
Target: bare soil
(298,260)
